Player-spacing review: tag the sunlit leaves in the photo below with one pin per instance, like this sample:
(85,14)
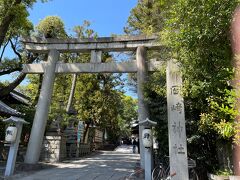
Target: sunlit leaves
(84,31)
(51,27)
(220,115)
(198,33)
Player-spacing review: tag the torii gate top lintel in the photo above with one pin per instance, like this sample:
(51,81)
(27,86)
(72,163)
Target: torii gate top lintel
(115,44)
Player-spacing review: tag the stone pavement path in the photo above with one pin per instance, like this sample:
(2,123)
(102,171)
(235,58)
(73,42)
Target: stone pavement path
(106,165)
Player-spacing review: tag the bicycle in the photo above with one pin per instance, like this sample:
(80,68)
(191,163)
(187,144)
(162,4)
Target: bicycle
(162,170)
(135,174)
(160,173)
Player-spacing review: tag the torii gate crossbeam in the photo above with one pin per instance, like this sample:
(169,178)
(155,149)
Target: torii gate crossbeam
(105,44)
(111,67)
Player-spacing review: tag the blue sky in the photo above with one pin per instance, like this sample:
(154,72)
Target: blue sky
(106,16)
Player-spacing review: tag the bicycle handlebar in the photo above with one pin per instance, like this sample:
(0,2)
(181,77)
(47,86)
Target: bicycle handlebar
(173,174)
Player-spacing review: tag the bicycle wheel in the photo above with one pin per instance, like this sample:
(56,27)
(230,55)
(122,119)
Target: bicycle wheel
(193,175)
(158,173)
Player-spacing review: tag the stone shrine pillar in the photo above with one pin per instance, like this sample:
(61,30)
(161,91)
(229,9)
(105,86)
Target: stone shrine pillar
(176,123)
(143,112)
(41,115)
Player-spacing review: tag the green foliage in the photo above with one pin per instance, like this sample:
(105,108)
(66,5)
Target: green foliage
(127,114)
(224,172)
(84,30)
(197,35)
(203,49)
(20,24)
(220,116)
(51,27)
(147,17)
(9,64)
(14,23)
(29,112)
(205,54)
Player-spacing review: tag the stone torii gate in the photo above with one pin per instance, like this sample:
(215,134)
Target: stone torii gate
(140,44)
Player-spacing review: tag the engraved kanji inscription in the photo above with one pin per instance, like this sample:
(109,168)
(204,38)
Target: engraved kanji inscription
(181,149)
(175,148)
(177,128)
(177,107)
(175,90)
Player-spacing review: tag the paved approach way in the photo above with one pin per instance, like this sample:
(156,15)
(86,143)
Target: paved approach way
(106,165)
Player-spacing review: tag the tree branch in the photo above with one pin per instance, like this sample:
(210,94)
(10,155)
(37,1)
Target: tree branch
(4,47)
(8,71)
(5,90)
(15,51)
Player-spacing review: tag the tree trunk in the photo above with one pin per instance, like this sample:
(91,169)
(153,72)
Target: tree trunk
(71,96)
(10,71)
(85,133)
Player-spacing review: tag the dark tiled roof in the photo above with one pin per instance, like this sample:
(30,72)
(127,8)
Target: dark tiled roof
(20,97)
(6,110)
(15,119)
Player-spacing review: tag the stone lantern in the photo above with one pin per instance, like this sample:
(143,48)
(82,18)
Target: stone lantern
(147,140)
(13,135)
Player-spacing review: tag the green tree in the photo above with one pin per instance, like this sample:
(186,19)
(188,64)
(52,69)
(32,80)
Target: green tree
(205,54)
(51,27)
(13,23)
(197,35)
(148,17)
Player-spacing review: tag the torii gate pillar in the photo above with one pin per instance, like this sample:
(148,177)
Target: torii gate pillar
(41,115)
(143,112)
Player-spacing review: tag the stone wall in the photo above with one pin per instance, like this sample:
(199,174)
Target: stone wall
(53,149)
